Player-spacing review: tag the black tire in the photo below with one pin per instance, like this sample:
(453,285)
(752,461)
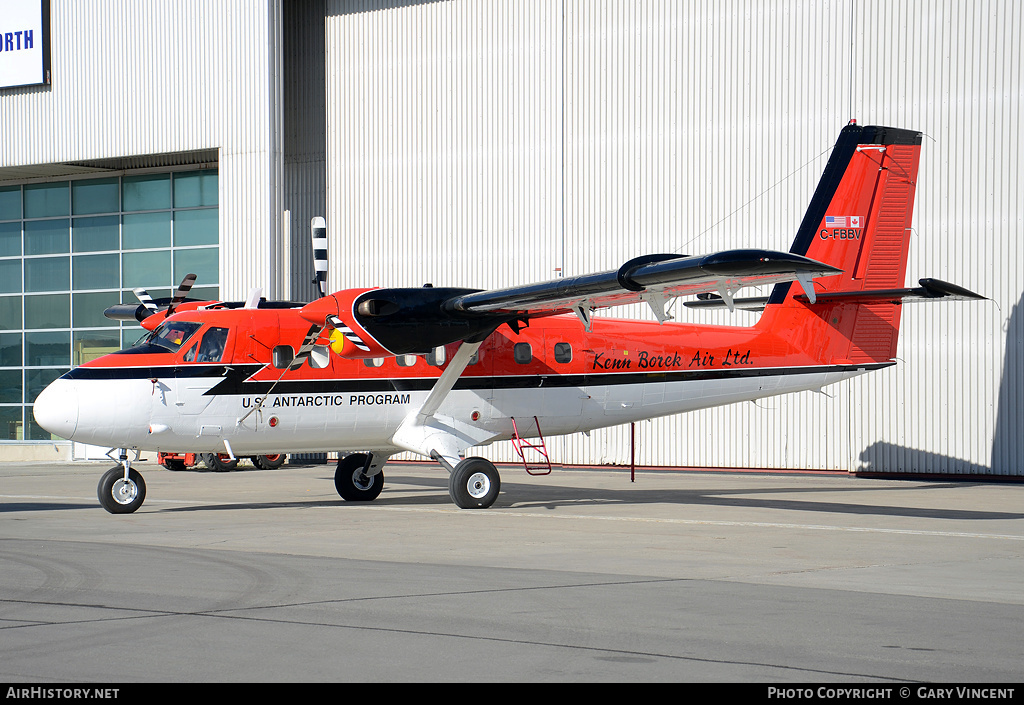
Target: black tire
(219,462)
(474,484)
(348,482)
(118,496)
(269,462)
(174,464)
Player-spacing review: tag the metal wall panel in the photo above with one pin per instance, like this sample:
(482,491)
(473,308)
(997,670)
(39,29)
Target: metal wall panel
(152,77)
(490,143)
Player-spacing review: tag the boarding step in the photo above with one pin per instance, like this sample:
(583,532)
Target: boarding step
(539,463)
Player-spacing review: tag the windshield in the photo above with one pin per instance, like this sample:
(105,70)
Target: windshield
(169,336)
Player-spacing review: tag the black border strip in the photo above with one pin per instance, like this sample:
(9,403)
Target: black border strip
(235,380)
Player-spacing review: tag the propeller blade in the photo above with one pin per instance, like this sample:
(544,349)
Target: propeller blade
(182,292)
(146,300)
(318,228)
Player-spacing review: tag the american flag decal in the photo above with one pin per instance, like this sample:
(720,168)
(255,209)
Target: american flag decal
(835,221)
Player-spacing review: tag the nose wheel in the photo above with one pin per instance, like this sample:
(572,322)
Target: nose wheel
(122,489)
(120,492)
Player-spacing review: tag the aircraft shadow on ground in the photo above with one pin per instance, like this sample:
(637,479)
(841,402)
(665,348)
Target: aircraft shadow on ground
(547,494)
(1007,457)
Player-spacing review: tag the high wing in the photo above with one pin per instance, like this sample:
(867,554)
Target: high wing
(648,279)
(398,321)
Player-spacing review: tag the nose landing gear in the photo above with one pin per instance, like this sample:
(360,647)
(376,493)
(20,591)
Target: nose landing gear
(121,489)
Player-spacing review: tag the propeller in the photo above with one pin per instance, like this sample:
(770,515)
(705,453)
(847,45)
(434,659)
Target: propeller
(318,229)
(149,305)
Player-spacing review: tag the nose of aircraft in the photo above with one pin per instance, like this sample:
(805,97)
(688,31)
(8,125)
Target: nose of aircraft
(56,408)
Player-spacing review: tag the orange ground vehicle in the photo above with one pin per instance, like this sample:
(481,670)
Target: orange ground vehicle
(217,462)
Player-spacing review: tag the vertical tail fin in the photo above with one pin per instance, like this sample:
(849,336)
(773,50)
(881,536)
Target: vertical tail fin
(859,221)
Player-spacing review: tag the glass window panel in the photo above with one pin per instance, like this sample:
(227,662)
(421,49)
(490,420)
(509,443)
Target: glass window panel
(10,312)
(36,381)
(47,237)
(10,207)
(131,335)
(202,263)
(48,311)
(45,200)
(146,193)
(10,276)
(204,293)
(48,348)
(94,196)
(48,274)
(146,230)
(10,239)
(196,228)
(196,188)
(148,269)
(10,349)
(95,272)
(10,423)
(89,345)
(87,309)
(10,386)
(95,234)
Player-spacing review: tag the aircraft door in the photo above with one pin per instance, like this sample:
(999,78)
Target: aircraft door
(202,365)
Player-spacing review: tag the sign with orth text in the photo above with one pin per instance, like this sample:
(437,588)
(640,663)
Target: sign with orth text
(24,42)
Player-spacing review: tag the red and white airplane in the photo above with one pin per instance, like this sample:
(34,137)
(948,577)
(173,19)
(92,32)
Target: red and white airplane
(435,371)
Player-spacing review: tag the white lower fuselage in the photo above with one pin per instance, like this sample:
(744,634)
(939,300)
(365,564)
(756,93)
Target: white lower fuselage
(183,415)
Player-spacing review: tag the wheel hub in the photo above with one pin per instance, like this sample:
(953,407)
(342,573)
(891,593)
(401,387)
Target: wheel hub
(124,491)
(478,485)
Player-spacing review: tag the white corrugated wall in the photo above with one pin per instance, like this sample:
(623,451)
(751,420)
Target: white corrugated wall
(492,143)
(160,76)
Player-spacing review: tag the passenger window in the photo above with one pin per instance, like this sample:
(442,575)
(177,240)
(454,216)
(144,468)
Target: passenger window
(211,348)
(436,356)
(373,361)
(406,360)
(475,358)
(523,353)
(563,352)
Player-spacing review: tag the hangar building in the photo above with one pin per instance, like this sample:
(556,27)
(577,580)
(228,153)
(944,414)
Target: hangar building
(491,143)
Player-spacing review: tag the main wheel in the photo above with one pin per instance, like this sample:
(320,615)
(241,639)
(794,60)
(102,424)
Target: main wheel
(218,462)
(352,484)
(269,462)
(120,496)
(474,484)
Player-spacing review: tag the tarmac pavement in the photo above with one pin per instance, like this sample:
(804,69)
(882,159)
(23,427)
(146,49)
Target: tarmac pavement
(582,575)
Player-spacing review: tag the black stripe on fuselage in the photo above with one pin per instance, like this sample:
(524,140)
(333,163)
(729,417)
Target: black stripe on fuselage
(235,380)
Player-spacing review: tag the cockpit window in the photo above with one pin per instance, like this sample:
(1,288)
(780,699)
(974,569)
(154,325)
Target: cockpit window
(170,336)
(211,349)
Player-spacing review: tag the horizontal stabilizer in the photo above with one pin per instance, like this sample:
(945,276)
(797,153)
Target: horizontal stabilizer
(928,289)
(749,303)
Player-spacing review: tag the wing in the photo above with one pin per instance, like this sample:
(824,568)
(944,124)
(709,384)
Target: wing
(415,320)
(647,279)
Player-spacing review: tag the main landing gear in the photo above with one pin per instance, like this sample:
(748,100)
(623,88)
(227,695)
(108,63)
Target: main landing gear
(474,483)
(122,489)
(359,477)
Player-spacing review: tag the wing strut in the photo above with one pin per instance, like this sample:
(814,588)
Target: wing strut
(439,437)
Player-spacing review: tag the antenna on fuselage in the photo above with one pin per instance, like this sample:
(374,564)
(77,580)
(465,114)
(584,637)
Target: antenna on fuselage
(318,229)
